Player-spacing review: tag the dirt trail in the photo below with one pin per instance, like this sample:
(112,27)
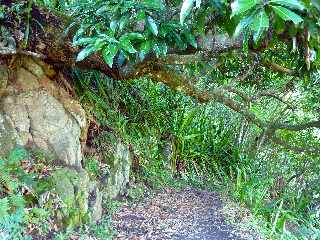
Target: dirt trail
(188,214)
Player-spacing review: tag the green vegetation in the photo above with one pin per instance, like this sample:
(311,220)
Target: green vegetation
(178,140)
(222,94)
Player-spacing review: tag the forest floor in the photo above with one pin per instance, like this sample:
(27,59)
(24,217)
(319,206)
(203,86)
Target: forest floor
(187,214)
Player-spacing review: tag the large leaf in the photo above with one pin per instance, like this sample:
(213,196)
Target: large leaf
(185,9)
(240,6)
(134,36)
(126,45)
(287,14)
(88,50)
(259,25)
(154,4)
(288,3)
(153,25)
(243,24)
(109,53)
(123,22)
(145,48)
(84,41)
(113,26)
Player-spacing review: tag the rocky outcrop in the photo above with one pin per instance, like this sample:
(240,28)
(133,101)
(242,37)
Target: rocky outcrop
(37,112)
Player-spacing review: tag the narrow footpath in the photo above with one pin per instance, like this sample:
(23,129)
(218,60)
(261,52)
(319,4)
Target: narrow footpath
(187,214)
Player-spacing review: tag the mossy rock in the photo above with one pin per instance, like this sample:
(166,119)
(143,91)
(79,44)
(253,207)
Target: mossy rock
(74,188)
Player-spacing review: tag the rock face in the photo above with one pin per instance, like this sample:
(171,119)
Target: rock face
(35,111)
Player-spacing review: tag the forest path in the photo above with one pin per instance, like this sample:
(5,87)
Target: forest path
(186,214)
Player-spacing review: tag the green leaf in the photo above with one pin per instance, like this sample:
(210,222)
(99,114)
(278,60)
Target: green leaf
(288,3)
(108,38)
(156,49)
(17,201)
(126,45)
(84,41)
(185,9)
(181,44)
(153,25)
(259,25)
(240,6)
(287,14)
(162,48)
(4,207)
(113,26)
(99,43)
(154,4)
(141,15)
(123,22)
(245,41)
(134,36)
(2,12)
(243,24)
(109,53)
(145,47)
(88,50)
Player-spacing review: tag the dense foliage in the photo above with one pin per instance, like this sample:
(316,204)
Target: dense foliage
(206,144)
(251,118)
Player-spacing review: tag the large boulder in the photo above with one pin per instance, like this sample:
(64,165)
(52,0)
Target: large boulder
(41,120)
(36,111)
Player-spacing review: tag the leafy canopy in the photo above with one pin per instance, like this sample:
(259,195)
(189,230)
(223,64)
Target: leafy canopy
(133,29)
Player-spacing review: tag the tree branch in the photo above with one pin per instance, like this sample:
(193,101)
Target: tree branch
(296,149)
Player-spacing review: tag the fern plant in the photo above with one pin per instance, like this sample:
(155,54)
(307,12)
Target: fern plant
(13,181)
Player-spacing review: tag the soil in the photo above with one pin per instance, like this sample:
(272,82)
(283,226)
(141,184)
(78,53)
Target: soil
(187,214)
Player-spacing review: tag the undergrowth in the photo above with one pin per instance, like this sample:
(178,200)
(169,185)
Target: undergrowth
(177,141)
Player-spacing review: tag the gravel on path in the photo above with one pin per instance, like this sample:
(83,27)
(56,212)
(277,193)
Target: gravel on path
(187,214)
